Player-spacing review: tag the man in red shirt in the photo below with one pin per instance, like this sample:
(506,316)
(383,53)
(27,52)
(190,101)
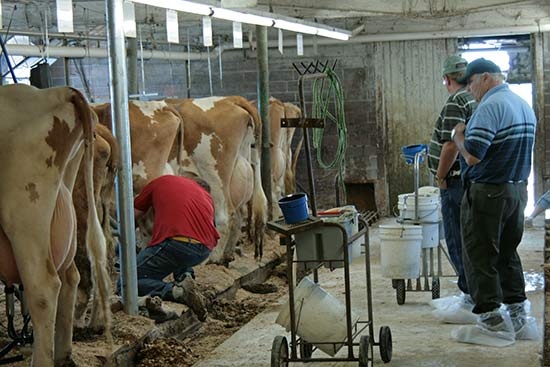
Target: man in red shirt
(184,233)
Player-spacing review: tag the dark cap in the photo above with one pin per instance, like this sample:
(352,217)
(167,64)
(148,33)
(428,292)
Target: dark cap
(479,66)
(454,64)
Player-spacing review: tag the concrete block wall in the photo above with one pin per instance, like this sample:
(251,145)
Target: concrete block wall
(239,77)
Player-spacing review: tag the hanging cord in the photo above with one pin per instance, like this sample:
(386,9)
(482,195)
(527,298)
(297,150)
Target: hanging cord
(325,91)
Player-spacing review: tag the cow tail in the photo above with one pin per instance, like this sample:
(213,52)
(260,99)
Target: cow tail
(95,239)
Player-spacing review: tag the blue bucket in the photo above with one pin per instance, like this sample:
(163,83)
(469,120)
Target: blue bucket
(294,208)
(409,151)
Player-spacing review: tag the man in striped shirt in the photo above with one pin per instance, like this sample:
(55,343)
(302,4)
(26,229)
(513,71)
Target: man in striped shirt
(496,149)
(443,158)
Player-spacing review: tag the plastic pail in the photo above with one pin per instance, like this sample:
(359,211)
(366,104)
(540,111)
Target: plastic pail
(294,208)
(320,317)
(400,250)
(409,151)
(428,215)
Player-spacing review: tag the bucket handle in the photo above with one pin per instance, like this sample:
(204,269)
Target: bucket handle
(427,215)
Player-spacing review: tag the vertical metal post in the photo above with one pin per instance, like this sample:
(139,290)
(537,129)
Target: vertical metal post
(307,148)
(121,128)
(67,70)
(263,108)
(132,65)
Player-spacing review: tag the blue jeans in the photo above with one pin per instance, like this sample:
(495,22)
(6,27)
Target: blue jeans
(170,256)
(451,199)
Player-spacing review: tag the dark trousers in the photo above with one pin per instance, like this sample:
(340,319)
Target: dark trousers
(451,198)
(492,227)
(157,262)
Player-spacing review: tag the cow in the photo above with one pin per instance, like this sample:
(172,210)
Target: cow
(154,128)
(283,180)
(106,155)
(155,135)
(222,137)
(41,148)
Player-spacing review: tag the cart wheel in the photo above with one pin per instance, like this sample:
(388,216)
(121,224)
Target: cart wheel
(394,283)
(364,347)
(435,288)
(279,352)
(385,342)
(400,291)
(306,349)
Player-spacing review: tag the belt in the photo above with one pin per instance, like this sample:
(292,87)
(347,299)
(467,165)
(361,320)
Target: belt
(453,173)
(513,182)
(186,239)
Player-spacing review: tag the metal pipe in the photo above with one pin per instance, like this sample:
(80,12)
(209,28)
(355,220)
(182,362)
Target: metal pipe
(121,122)
(132,58)
(263,109)
(67,69)
(95,52)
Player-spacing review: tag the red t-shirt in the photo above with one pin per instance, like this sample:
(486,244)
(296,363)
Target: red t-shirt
(182,208)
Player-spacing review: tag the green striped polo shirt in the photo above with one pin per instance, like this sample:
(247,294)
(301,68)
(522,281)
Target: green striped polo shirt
(458,108)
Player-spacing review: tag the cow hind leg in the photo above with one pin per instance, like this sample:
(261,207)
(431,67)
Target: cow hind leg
(64,319)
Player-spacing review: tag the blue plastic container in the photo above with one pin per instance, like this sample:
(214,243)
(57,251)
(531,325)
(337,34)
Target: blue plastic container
(409,151)
(294,208)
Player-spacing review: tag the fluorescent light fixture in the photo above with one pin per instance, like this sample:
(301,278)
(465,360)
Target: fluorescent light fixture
(237,16)
(251,17)
(64,16)
(179,5)
(172,27)
(280,40)
(237,35)
(295,27)
(129,12)
(207,31)
(300,44)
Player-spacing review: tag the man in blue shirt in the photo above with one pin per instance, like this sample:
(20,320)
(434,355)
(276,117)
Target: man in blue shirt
(495,149)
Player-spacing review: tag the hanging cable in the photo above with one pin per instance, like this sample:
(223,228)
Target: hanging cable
(325,91)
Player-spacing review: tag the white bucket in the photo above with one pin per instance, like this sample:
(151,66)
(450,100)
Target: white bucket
(428,215)
(320,317)
(400,247)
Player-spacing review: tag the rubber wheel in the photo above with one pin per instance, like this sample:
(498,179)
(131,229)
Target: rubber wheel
(394,283)
(400,291)
(279,352)
(306,349)
(364,347)
(435,288)
(385,342)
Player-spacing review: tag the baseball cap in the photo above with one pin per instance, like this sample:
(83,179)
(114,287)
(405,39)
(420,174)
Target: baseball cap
(454,64)
(479,66)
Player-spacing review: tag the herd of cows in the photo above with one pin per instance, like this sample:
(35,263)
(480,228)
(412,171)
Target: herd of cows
(59,159)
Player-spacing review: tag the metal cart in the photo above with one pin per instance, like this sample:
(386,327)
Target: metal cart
(281,352)
(428,270)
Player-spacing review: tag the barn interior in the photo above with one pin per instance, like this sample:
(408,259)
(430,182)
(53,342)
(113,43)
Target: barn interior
(390,75)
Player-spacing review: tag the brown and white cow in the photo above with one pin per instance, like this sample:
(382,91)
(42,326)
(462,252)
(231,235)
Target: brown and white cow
(221,140)
(43,136)
(154,127)
(106,155)
(283,180)
(155,135)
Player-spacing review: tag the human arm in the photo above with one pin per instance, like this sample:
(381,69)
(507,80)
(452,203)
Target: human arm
(138,213)
(449,152)
(458,138)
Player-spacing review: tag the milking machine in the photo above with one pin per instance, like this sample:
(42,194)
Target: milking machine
(18,338)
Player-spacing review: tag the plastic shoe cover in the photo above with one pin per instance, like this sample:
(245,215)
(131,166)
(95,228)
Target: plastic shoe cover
(442,303)
(529,330)
(497,323)
(474,335)
(456,313)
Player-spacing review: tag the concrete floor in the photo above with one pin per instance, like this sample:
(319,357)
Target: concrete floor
(419,340)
